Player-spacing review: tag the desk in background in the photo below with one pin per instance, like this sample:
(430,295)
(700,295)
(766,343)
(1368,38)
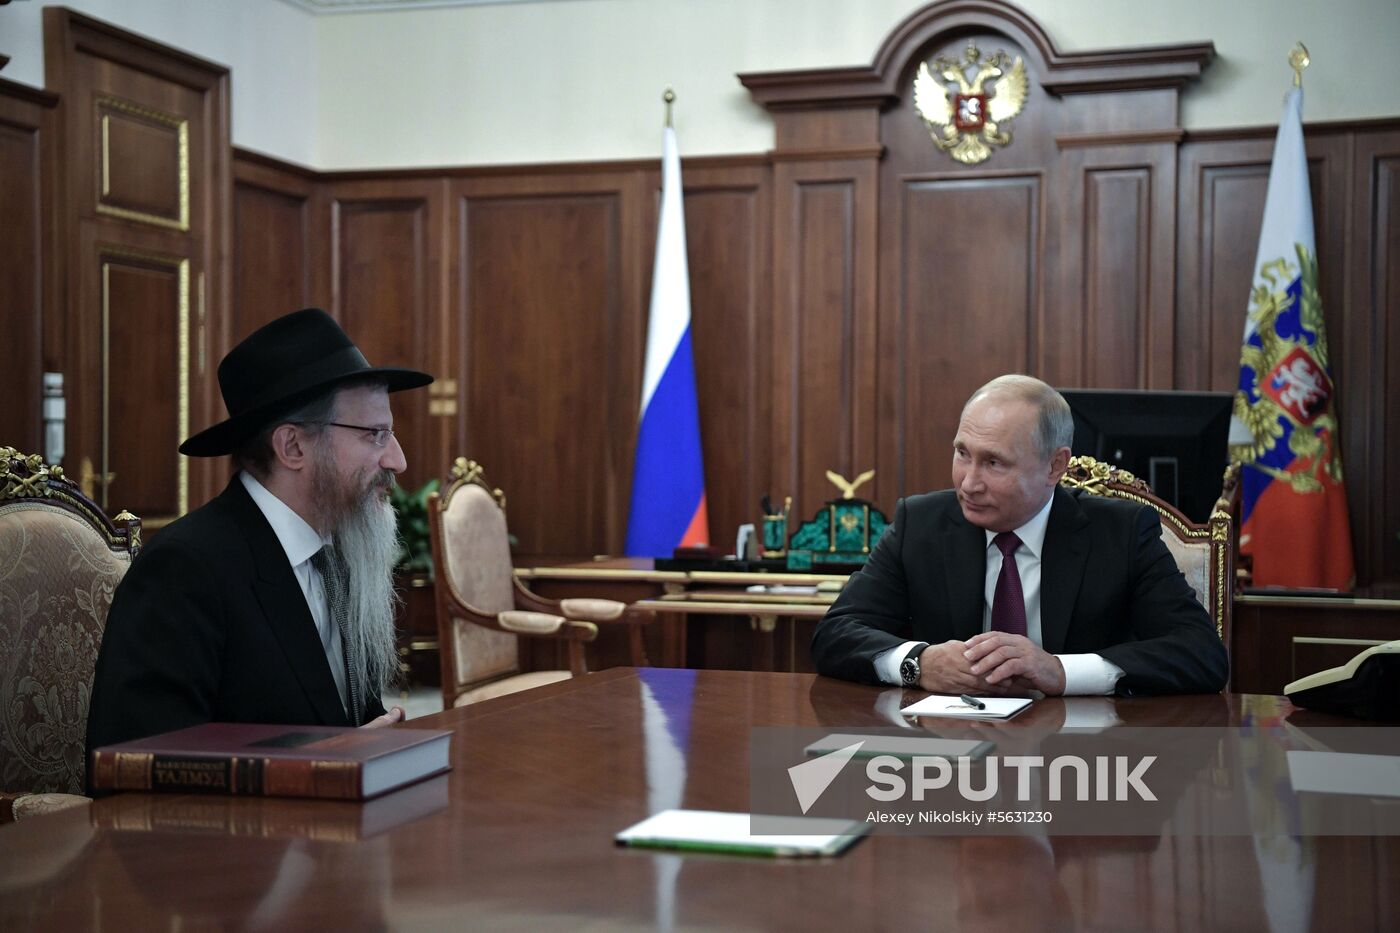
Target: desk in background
(706,619)
(519,835)
(1275,639)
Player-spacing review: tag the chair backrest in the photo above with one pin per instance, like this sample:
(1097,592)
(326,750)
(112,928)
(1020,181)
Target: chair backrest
(60,562)
(1205,553)
(471,558)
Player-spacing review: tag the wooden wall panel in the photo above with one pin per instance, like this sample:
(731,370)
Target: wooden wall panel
(28,258)
(1116,276)
(727,222)
(823,379)
(386,267)
(146,299)
(280,232)
(969,256)
(1373,289)
(550,360)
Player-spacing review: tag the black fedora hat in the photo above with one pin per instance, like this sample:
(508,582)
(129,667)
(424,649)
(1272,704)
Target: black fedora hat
(282,365)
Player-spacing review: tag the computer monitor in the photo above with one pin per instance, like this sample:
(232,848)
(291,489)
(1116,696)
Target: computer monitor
(1176,441)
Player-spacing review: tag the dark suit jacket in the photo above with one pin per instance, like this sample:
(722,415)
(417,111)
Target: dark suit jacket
(210,625)
(1108,585)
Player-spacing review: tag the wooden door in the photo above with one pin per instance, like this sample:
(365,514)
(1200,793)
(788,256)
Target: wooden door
(144,189)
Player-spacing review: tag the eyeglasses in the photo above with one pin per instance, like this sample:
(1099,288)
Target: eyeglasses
(378,436)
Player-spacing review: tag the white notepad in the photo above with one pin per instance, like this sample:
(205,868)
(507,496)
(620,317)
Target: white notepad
(996,707)
(1345,773)
(711,831)
(909,746)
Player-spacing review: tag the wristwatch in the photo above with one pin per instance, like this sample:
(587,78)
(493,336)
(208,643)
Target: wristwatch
(909,670)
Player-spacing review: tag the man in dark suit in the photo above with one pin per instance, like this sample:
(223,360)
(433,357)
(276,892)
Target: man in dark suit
(1008,583)
(274,602)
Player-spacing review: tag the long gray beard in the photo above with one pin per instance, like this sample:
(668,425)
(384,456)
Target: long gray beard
(366,539)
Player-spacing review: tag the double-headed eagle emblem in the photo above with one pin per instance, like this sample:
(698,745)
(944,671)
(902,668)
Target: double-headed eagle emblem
(966,122)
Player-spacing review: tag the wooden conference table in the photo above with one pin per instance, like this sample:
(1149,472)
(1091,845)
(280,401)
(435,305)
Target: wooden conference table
(519,836)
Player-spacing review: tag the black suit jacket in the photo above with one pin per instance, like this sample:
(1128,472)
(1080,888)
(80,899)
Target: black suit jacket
(210,625)
(1108,585)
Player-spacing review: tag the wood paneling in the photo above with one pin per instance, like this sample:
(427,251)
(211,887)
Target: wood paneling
(145,142)
(145,302)
(28,259)
(966,311)
(387,292)
(1116,241)
(280,236)
(550,361)
(824,327)
(1372,353)
(727,215)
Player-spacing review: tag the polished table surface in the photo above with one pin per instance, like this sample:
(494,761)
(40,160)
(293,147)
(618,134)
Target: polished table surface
(519,835)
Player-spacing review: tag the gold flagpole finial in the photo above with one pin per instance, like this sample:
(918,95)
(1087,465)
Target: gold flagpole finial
(1298,60)
(669,97)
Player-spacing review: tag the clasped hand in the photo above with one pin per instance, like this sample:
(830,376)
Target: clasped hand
(992,663)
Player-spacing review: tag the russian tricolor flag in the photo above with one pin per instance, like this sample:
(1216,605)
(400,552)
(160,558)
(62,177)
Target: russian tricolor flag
(668,479)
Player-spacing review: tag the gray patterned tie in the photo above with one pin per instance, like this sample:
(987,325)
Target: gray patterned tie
(333,581)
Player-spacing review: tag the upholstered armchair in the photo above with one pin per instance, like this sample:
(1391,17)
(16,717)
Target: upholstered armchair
(1205,553)
(484,611)
(61,559)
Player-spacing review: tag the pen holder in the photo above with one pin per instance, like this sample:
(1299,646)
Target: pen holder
(775,531)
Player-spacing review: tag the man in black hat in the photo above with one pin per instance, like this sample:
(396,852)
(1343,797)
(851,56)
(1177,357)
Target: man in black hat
(274,602)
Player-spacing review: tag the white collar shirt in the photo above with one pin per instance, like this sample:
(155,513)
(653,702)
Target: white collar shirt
(301,542)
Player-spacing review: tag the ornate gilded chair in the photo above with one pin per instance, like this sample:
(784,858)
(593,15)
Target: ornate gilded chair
(1205,553)
(483,610)
(60,561)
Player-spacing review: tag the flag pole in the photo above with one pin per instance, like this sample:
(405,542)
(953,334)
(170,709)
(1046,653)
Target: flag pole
(670,97)
(1297,59)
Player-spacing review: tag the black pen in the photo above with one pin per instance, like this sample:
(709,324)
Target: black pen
(973,702)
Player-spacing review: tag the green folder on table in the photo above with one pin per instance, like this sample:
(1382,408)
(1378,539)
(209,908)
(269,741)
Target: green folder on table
(712,831)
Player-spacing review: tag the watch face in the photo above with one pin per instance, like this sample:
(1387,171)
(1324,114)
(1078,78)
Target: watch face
(909,671)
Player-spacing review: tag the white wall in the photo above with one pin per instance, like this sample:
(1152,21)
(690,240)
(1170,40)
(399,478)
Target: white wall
(568,80)
(269,46)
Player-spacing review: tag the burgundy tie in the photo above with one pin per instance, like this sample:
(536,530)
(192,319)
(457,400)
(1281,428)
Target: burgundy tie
(1008,602)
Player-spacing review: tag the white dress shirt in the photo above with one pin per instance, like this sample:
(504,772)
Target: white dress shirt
(1084,673)
(301,542)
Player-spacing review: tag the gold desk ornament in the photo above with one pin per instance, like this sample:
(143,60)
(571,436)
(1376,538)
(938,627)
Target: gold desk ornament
(966,122)
(842,533)
(848,487)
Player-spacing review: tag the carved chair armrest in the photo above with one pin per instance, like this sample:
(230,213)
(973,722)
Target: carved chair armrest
(545,625)
(600,611)
(15,807)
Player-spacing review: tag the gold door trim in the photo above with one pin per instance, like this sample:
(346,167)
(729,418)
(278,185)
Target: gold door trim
(182,132)
(181,265)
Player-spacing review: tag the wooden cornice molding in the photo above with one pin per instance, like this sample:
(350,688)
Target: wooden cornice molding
(67,31)
(1060,72)
(33,95)
(1086,140)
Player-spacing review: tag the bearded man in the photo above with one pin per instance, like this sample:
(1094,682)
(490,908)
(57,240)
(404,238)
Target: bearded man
(274,602)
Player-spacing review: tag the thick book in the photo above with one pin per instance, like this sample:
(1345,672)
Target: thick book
(272,817)
(273,761)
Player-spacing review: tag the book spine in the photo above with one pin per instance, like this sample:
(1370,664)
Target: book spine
(226,774)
